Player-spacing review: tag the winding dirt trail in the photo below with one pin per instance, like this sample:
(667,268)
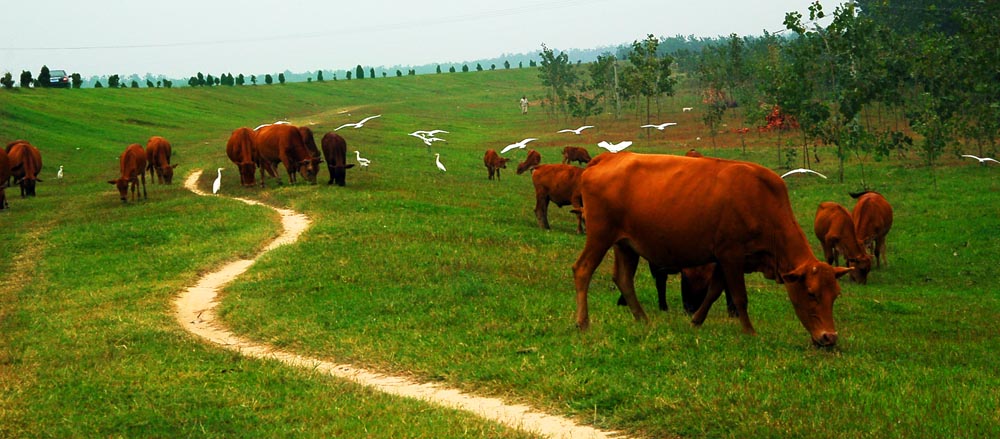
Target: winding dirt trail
(196,314)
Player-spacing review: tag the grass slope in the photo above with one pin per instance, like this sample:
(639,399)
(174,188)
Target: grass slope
(446,276)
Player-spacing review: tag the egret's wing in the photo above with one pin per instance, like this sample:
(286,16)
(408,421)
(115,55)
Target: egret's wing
(509,147)
(566,131)
(369,118)
(971,156)
(990,160)
(344,125)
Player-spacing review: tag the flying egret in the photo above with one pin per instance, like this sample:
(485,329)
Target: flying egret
(660,126)
(430,133)
(362,161)
(358,124)
(520,144)
(801,170)
(280,122)
(217,183)
(982,160)
(437,158)
(615,147)
(576,131)
(427,140)
(60,173)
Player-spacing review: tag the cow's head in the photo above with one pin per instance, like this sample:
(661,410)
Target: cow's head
(812,288)
(526,165)
(27,185)
(247,171)
(309,168)
(861,266)
(122,185)
(168,173)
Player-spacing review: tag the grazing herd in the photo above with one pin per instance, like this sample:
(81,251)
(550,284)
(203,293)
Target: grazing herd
(709,220)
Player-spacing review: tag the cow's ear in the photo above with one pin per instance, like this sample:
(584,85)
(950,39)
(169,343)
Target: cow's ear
(840,271)
(112,182)
(173,166)
(319,161)
(39,180)
(795,275)
(349,166)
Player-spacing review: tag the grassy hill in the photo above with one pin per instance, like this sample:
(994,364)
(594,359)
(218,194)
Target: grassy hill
(446,277)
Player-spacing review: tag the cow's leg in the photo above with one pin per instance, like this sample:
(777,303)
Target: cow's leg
(737,289)
(626,262)
(542,210)
(143,178)
(583,269)
(879,250)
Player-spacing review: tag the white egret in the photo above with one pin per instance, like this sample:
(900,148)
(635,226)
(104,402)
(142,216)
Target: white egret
(661,126)
(576,131)
(615,147)
(437,158)
(280,122)
(362,161)
(520,144)
(218,182)
(430,133)
(801,171)
(427,140)
(686,109)
(982,160)
(60,173)
(358,124)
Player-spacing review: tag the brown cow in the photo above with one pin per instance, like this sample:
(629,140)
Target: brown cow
(240,150)
(310,143)
(679,212)
(534,159)
(158,160)
(835,230)
(872,220)
(25,165)
(575,153)
(335,151)
(558,184)
(283,143)
(133,168)
(4,178)
(494,163)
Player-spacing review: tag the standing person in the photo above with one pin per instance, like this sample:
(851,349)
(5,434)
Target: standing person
(524,105)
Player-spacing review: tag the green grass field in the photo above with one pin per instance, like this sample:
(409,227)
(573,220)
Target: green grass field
(447,278)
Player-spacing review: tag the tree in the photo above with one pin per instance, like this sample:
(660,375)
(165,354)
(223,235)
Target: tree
(651,74)
(348,75)
(25,79)
(359,72)
(558,75)
(268,79)
(398,73)
(493,66)
(44,77)
(135,84)
(76,80)
(240,79)
(98,84)
(506,64)
(451,69)
(319,76)
(465,68)
(604,76)
(7,81)
(439,68)
(149,84)
(479,67)
(371,72)
(253,79)
(281,78)
(114,81)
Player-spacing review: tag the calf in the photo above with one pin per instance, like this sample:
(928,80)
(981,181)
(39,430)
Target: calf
(335,151)
(240,151)
(158,160)
(133,168)
(560,185)
(575,154)
(872,217)
(494,163)
(835,230)
(534,159)
(25,165)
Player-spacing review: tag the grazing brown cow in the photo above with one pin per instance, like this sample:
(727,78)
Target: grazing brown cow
(494,163)
(25,165)
(4,178)
(283,143)
(310,143)
(240,150)
(335,151)
(872,220)
(558,184)
(679,212)
(158,160)
(133,168)
(534,159)
(835,230)
(575,154)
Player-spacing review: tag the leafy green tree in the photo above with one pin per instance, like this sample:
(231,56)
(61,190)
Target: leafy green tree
(168,83)
(371,72)
(651,73)
(26,79)
(240,79)
(149,84)
(281,78)
(209,80)
(399,73)
(439,68)
(134,84)
(559,76)
(268,79)
(253,79)
(479,67)
(348,75)
(465,68)
(604,76)
(493,67)
(76,80)
(359,72)
(7,81)
(114,81)
(192,81)
(97,84)
(44,77)
(451,69)
(319,76)
(506,65)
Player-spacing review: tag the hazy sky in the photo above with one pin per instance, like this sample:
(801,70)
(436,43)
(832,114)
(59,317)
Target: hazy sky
(180,38)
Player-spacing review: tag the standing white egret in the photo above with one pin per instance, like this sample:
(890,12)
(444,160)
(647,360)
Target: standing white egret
(522,144)
(801,171)
(362,161)
(576,131)
(218,182)
(660,126)
(982,160)
(437,158)
(615,147)
(60,173)
(358,124)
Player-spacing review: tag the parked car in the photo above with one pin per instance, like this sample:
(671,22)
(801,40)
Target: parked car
(58,79)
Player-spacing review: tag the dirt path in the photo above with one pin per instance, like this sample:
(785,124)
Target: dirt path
(196,313)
